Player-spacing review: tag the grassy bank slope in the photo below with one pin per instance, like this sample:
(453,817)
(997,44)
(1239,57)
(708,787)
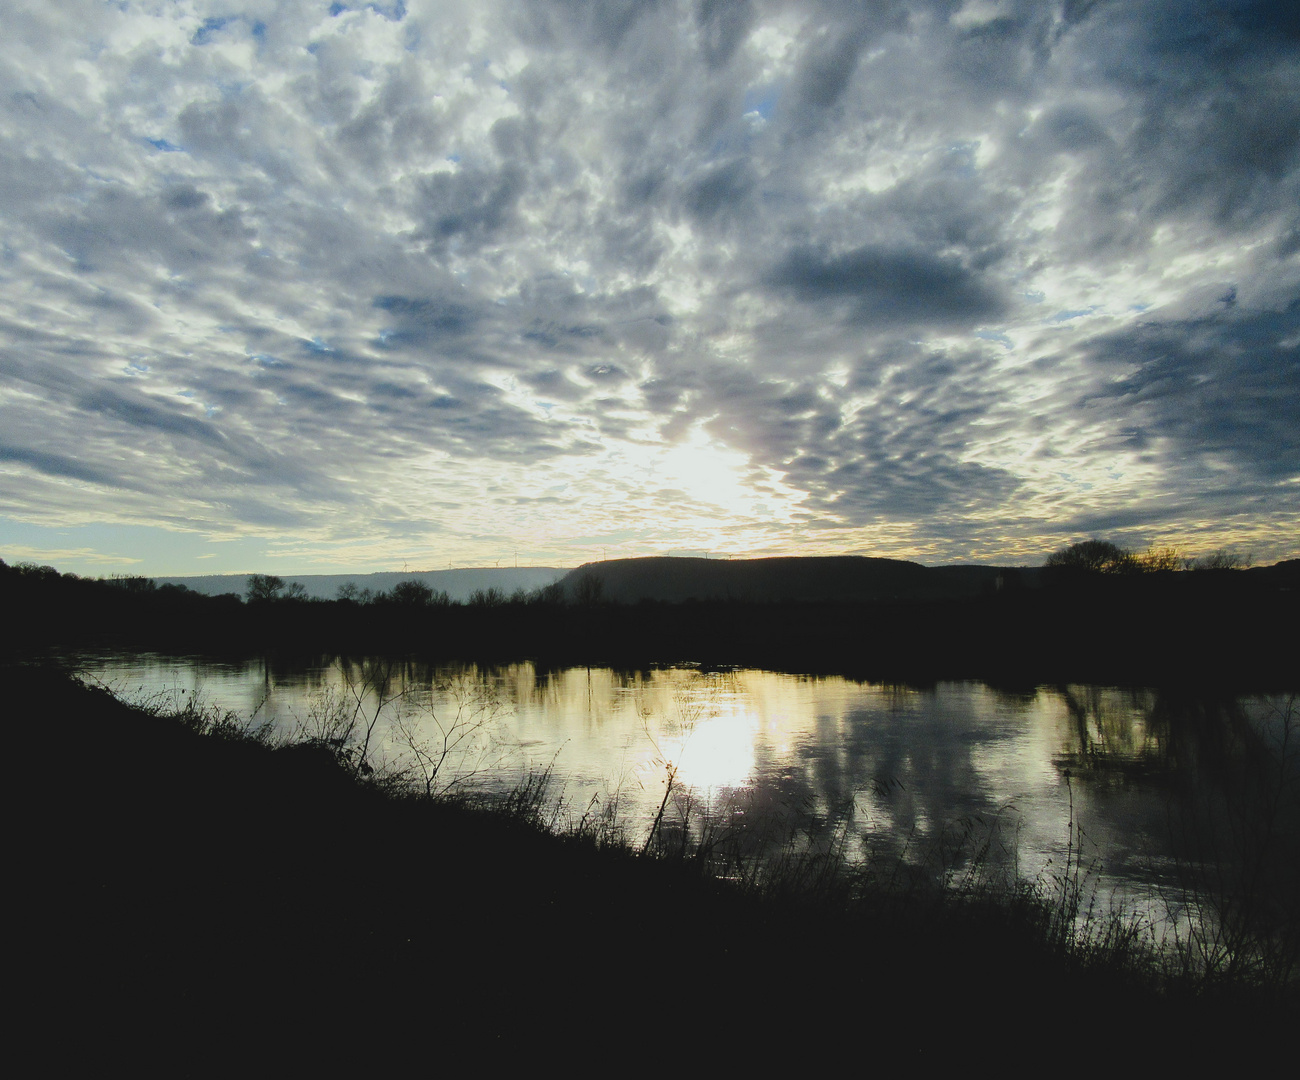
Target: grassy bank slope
(197,899)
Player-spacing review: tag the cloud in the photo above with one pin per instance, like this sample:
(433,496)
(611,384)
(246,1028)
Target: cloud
(936,279)
(884,287)
(1215,392)
(723,25)
(58,465)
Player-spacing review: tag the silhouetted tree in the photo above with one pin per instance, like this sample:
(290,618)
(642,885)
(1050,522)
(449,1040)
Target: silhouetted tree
(1221,560)
(1165,558)
(1091,557)
(412,593)
(263,588)
(350,592)
(133,583)
(550,594)
(37,573)
(588,591)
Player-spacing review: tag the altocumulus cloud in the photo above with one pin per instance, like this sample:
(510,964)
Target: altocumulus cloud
(362,283)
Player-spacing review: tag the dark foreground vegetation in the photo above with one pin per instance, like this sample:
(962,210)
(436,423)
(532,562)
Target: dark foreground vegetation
(202,900)
(1118,621)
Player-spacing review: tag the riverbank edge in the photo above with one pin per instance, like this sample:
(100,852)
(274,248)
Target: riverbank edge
(1231,628)
(192,894)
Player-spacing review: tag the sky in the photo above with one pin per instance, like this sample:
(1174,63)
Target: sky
(303,286)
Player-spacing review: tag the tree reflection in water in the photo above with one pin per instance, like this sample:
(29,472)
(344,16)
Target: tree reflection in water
(1180,805)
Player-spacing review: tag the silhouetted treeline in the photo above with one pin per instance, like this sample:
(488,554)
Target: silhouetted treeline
(1238,627)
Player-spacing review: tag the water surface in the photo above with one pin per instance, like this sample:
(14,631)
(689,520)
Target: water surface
(958,778)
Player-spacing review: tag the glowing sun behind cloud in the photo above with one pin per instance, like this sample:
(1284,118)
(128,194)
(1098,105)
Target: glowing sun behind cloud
(336,286)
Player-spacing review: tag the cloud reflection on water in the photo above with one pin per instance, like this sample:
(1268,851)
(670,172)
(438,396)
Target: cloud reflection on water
(899,767)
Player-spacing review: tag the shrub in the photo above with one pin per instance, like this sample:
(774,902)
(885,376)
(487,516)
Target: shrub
(1103,557)
(1091,557)
(1153,559)
(1221,560)
(412,593)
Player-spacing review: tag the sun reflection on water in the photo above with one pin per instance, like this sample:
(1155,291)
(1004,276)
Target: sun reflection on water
(715,754)
(896,769)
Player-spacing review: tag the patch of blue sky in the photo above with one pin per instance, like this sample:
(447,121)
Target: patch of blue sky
(163,145)
(232,89)
(394,12)
(211,27)
(1078,313)
(1035,297)
(316,345)
(266,360)
(996,335)
(761,100)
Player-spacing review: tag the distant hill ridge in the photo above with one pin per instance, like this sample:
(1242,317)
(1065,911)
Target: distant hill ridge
(674,579)
(791,578)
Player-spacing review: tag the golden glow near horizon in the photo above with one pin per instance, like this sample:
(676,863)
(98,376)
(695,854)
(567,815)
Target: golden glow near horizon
(352,288)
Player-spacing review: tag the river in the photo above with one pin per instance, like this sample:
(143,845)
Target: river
(1124,791)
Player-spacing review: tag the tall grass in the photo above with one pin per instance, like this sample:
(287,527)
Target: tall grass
(1232,934)
(193,712)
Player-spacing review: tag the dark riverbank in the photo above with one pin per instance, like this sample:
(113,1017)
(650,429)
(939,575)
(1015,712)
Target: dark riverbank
(1237,628)
(196,899)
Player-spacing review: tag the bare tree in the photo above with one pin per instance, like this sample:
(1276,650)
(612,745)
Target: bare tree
(1221,560)
(263,588)
(447,747)
(345,722)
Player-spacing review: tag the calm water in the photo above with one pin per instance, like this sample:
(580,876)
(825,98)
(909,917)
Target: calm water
(927,775)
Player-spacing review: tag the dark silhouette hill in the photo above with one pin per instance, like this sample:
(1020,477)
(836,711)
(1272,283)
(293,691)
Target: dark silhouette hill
(836,578)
